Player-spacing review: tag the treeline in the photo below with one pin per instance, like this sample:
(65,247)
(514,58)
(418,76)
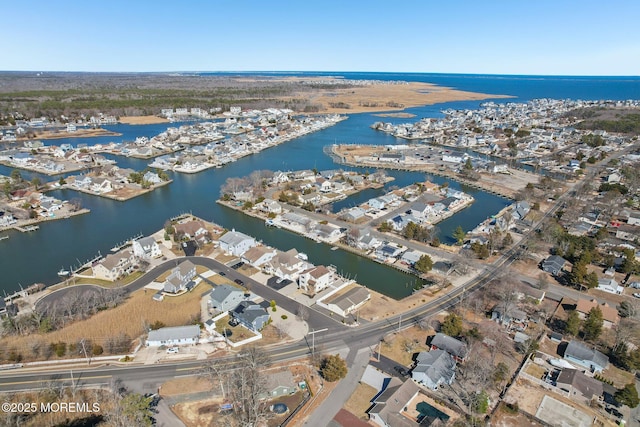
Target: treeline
(629,123)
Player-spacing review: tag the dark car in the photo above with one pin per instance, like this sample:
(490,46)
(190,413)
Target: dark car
(222,273)
(401,371)
(239,282)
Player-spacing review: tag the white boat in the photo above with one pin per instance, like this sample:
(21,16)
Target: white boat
(63,272)
(4,237)
(335,248)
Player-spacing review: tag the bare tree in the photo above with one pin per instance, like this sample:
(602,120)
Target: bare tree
(302,312)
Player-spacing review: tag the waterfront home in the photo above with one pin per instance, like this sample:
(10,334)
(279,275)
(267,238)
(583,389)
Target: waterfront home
(453,346)
(7,219)
(176,335)
(286,265)
(146,248)
(454,157)
(225,297)
(327,232)
(520,210)
(410,257)
(152,178)
(367,241)
(354,214)
(348,302)
(195,230)
(251,315)
(315,279)
(180,278)
(259,255)
(113,266)
(376,203)
(610,317)
(388,253)
(269,206)
(434,368)
(236,243)
(579,354)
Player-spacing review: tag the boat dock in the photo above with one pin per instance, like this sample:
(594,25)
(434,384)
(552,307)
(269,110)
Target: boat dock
(126,243)
(27,228)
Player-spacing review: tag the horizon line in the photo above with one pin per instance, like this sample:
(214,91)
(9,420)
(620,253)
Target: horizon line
(322,72)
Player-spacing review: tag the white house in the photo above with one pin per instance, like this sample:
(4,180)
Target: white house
(259,255)
(609,285)
(315,279)
(236,243)
(176,335)
(376,203)
(113,266)
(146,248)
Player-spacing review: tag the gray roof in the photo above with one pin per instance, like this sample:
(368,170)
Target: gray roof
(352,297)
(450,345)
(588,386)
(436,364)
(146,241)
(554,261)
(174,333)
(392,401)
(222,292)
(579,351)
(250,312)
(234,238)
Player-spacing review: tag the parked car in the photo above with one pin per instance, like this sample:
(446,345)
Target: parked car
(634,285)
(636,294)
(222,273)
(239,282)
(172,350)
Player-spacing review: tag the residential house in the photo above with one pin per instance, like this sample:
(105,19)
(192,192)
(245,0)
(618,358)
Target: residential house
(554,264)
(376,203)
(348,302)
(146,248)
(579,385)
(520,210)
(192,230)
(251,315)
(152,178)
(327,232)
(315,279)
(236,243)
(175,335)
(453,346)
(434,368)
(270,206)
(279,383)
(634,218)
(7,219)
(286,265)
(610,317)
(589,358)
(367,241)
(388,252)
(628,232)
(180,277)
(354,214)
(610,285)
(259,255)
(225,297)
(388,405)
(113,266)
(410,257)
(454,157)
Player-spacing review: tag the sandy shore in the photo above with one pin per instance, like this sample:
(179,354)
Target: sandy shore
(80,133)
(142,120)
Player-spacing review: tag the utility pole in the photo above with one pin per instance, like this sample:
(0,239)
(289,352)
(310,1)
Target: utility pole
(313,340)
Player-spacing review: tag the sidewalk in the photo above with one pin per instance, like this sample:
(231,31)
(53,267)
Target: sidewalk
(357,362)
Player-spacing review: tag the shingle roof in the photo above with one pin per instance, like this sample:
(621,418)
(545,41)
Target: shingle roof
(579,351)
(588,386)
(436,364)
(450,345)
(174,333)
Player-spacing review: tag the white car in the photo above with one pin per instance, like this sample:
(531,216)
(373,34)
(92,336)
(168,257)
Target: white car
(172,350)
(636,294)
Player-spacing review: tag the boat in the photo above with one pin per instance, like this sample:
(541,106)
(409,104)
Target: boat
(64,273)
(335,248)
(4,237)
(269,223)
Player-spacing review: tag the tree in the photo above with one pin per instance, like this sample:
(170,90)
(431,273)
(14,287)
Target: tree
(333,368)
(16,177)
(130,409)
(424,264)
(572,325)
(459,235)
(592,327)
(36,182)
(628,396)
(452,325)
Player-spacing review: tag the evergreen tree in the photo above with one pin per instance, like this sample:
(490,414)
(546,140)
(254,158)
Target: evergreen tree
(592,327)
(452,325)
(459,235)
(628,396)
(572,325)
(424,264)
(333,368)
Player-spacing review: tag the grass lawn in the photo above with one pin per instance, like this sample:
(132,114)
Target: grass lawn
(360,400)
(395,346)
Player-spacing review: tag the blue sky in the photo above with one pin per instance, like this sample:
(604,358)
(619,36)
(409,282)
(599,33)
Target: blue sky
(489,36)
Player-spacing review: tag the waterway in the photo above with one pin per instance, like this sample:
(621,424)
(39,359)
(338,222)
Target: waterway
(27,258)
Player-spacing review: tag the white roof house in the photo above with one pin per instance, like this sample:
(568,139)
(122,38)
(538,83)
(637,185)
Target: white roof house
(176,335)
(236,243)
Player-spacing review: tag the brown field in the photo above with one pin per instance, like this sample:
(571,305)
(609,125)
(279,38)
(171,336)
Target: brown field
(408,95)
(395,345)
(360,401)
(142,120)
(129,318)
(188,385)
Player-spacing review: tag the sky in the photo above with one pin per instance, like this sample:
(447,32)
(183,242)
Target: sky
(541,37)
